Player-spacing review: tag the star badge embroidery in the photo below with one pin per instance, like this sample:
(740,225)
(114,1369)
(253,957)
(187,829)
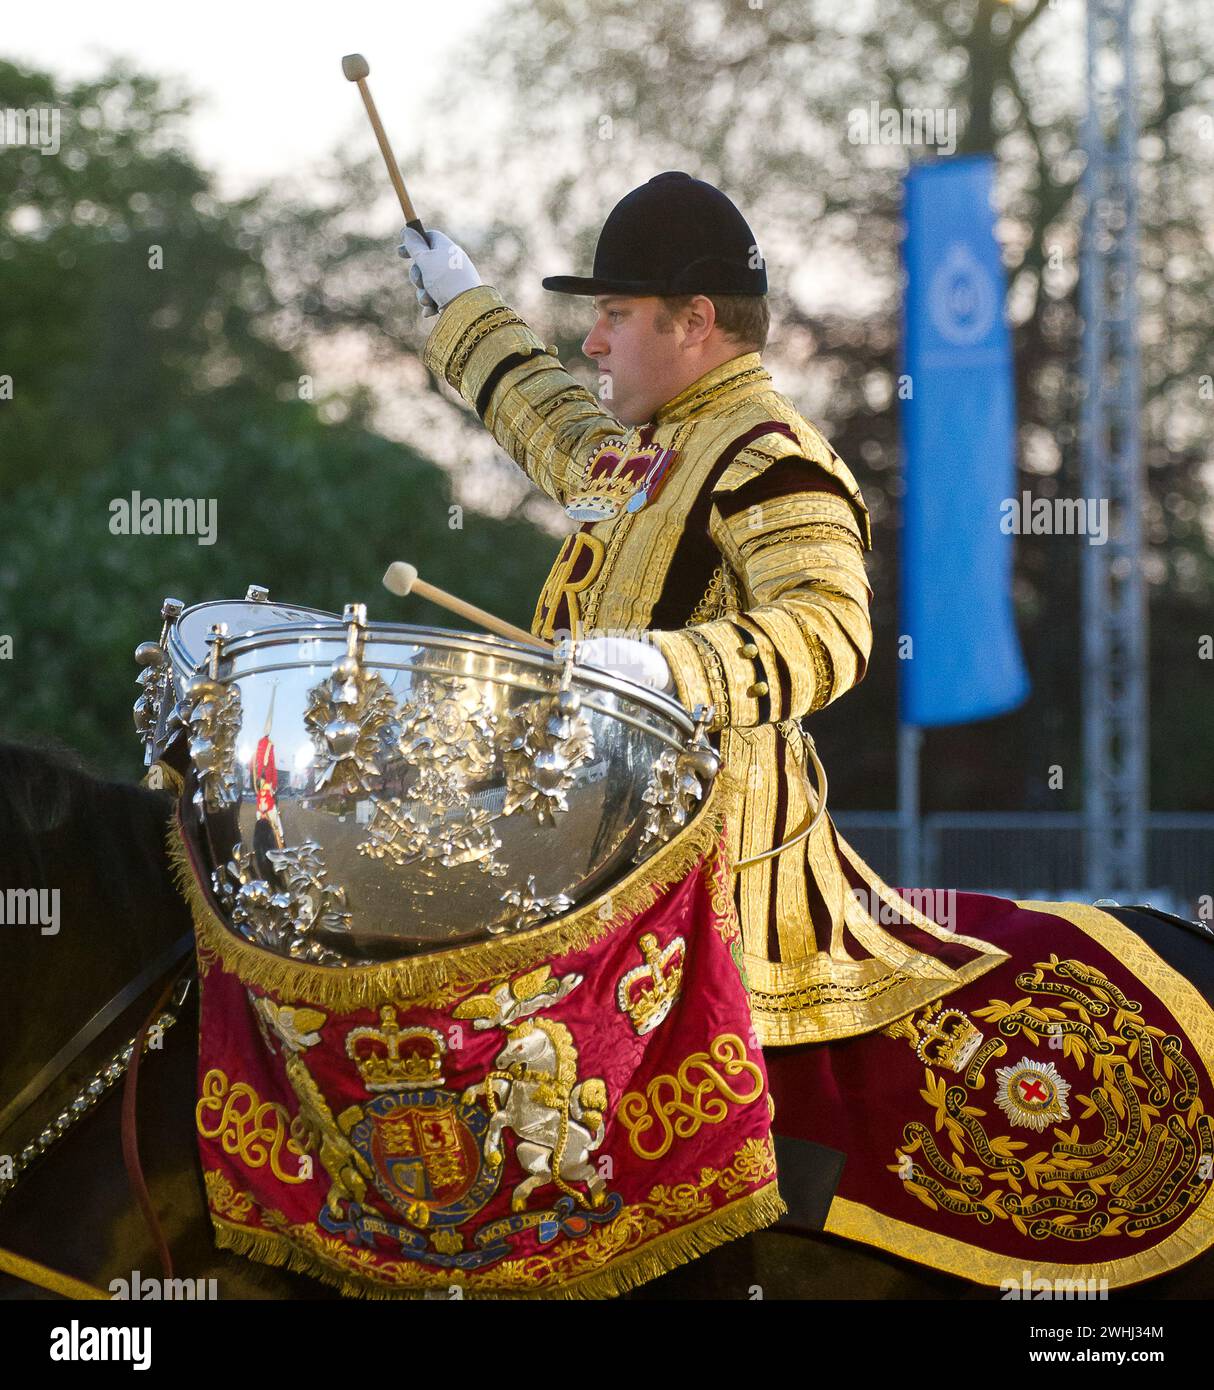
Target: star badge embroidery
(1032,1094)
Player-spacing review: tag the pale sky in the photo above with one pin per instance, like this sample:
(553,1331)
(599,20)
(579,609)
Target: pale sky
(272,102)
(273,98)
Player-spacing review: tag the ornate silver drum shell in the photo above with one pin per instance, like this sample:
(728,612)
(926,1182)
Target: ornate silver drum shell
(449,788)
(182,653)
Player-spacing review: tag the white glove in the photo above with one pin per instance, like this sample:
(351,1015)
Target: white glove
(440,270)
(641,662)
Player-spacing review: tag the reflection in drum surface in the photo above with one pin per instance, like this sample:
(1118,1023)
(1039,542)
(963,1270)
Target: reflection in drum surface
(362,791)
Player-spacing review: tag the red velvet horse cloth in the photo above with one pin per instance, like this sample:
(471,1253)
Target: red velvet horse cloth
(566,1112)
(1047,1121)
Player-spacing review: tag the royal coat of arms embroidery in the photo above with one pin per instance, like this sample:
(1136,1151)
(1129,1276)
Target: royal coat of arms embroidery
(489,1132)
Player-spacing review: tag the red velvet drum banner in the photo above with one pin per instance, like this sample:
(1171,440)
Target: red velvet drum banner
(566,1113)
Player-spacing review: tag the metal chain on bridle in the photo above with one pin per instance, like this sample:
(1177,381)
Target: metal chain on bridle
(88,1095)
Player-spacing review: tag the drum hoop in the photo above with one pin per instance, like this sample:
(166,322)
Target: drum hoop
(677,715)
(188,664)
(443,637)
(289,633)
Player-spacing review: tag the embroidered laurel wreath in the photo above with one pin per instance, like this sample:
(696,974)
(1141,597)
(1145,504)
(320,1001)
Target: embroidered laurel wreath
(1131,1146)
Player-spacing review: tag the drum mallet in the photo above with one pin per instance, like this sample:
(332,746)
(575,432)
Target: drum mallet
(401,579)
(357,69)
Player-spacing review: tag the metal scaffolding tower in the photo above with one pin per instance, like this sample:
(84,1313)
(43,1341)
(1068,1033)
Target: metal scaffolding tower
(1114,614)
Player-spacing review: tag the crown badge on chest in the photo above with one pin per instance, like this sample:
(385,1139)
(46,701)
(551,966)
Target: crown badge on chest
(620,475)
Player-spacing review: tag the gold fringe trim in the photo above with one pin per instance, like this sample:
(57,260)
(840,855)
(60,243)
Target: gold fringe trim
(740,1218)
(447,973)
(1192,1238)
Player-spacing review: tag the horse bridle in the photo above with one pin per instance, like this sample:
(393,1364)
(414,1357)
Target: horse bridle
(90,1093)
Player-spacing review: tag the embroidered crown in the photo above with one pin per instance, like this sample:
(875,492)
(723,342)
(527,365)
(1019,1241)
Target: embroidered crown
(647,993)
(613,475)
(948,1040)
(390,1058)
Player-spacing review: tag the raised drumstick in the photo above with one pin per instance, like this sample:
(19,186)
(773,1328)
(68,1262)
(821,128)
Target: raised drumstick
(401,579)
(357,69)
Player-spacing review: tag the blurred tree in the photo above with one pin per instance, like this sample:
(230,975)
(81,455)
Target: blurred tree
(180,383)
(102,346)
(565,105)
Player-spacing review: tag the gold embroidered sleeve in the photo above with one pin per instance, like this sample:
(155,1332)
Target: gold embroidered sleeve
(545,420)
(804,635)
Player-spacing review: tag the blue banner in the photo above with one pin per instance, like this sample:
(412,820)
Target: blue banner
(959,437)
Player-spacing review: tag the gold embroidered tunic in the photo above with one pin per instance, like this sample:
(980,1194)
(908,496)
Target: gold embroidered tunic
(746,565)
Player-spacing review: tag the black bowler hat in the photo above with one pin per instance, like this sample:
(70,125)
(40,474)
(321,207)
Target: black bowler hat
(673,235)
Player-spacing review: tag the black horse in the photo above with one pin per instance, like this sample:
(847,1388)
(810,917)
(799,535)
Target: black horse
(118,918)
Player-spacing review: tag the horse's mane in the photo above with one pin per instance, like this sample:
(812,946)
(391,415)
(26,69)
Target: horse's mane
(49,794)
(99,846)
(43,783)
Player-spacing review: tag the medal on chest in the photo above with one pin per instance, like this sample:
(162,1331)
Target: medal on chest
(620,476)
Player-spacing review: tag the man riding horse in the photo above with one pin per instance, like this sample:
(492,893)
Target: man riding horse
(576,1108)
(725,538)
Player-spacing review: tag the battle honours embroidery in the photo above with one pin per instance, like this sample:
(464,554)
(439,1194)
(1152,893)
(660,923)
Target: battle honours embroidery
(1139,1154)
